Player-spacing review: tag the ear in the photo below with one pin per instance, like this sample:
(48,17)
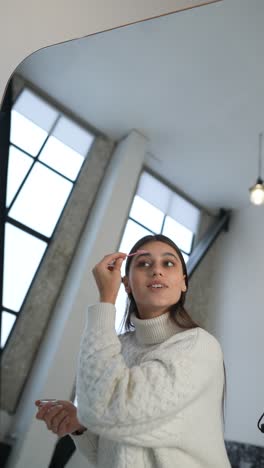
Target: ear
(126,284)
(184,287)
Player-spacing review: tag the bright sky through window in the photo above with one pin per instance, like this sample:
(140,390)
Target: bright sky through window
(61,158)
(25,134)
(41,200)
(23,253)
(46,149)
(18,166)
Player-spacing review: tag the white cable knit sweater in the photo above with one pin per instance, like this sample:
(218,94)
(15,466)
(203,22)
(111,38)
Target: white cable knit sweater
(150,398)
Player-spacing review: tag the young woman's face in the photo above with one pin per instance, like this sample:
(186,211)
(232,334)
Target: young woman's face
(155,279)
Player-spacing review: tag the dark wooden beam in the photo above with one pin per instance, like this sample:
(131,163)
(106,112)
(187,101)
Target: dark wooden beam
(207,241)
(5,125)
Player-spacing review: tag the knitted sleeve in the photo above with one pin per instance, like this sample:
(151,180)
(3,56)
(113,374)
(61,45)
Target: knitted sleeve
(142,405)
(87,444)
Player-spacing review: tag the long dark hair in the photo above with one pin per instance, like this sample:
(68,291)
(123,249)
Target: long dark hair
(177,311)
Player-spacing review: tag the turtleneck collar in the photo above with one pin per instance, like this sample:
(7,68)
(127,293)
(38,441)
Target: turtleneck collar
(154,330)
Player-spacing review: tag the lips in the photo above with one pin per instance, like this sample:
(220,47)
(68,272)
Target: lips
(157,285)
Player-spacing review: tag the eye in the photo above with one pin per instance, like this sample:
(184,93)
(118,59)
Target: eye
(144,264)
(169,263)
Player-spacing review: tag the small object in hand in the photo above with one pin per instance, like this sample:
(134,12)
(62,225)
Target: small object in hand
(48,400)
(138,252)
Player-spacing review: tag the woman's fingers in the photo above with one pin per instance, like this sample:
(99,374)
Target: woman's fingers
(53,416)
(48,411)
(44,408)
(113,256)
(60,416)
(116,265)
(107,274)
(112,260)
(64,427)
(57,420)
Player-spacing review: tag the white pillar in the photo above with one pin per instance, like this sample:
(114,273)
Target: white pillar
(54,370)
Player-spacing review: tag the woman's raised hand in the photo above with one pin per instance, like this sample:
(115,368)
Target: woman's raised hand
(107,274)
(60,416)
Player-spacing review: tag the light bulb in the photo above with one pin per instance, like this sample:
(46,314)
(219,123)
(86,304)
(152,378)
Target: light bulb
(257,193)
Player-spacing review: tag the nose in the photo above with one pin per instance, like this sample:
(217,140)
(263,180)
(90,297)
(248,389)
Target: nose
(157,271)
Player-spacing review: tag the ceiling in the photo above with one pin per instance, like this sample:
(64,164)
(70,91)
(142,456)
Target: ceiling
(191,82)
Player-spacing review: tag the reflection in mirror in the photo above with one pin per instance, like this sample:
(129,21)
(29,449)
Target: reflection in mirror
(25,252)
(191,84)
(36,195)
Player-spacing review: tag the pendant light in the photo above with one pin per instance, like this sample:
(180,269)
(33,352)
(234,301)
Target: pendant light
(257,191)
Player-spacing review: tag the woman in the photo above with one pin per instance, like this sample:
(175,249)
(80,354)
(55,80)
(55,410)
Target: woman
(152,396)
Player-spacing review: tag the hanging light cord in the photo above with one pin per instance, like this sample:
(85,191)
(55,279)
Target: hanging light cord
(260,153)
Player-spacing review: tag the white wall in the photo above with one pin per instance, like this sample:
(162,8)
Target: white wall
(236,302)
(31,25)
(54,370)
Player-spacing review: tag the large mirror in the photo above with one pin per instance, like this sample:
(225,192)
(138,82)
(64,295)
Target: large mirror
(192,84)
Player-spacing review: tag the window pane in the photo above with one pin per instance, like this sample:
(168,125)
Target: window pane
(185,213)
(154,191)
(178,233)
(146,214)
(121,301)
(18,166)
(36,109)
(26,134)
(73,135)
(22,256)
(8,321)
(62,158)
(41,200)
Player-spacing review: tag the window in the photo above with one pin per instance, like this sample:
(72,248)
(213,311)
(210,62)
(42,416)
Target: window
(47,150)
(156,209)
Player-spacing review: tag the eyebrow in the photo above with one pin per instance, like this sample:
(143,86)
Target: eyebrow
(165,254)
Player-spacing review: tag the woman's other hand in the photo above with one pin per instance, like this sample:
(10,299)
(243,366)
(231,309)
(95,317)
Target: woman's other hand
(60,416)
(107,274)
